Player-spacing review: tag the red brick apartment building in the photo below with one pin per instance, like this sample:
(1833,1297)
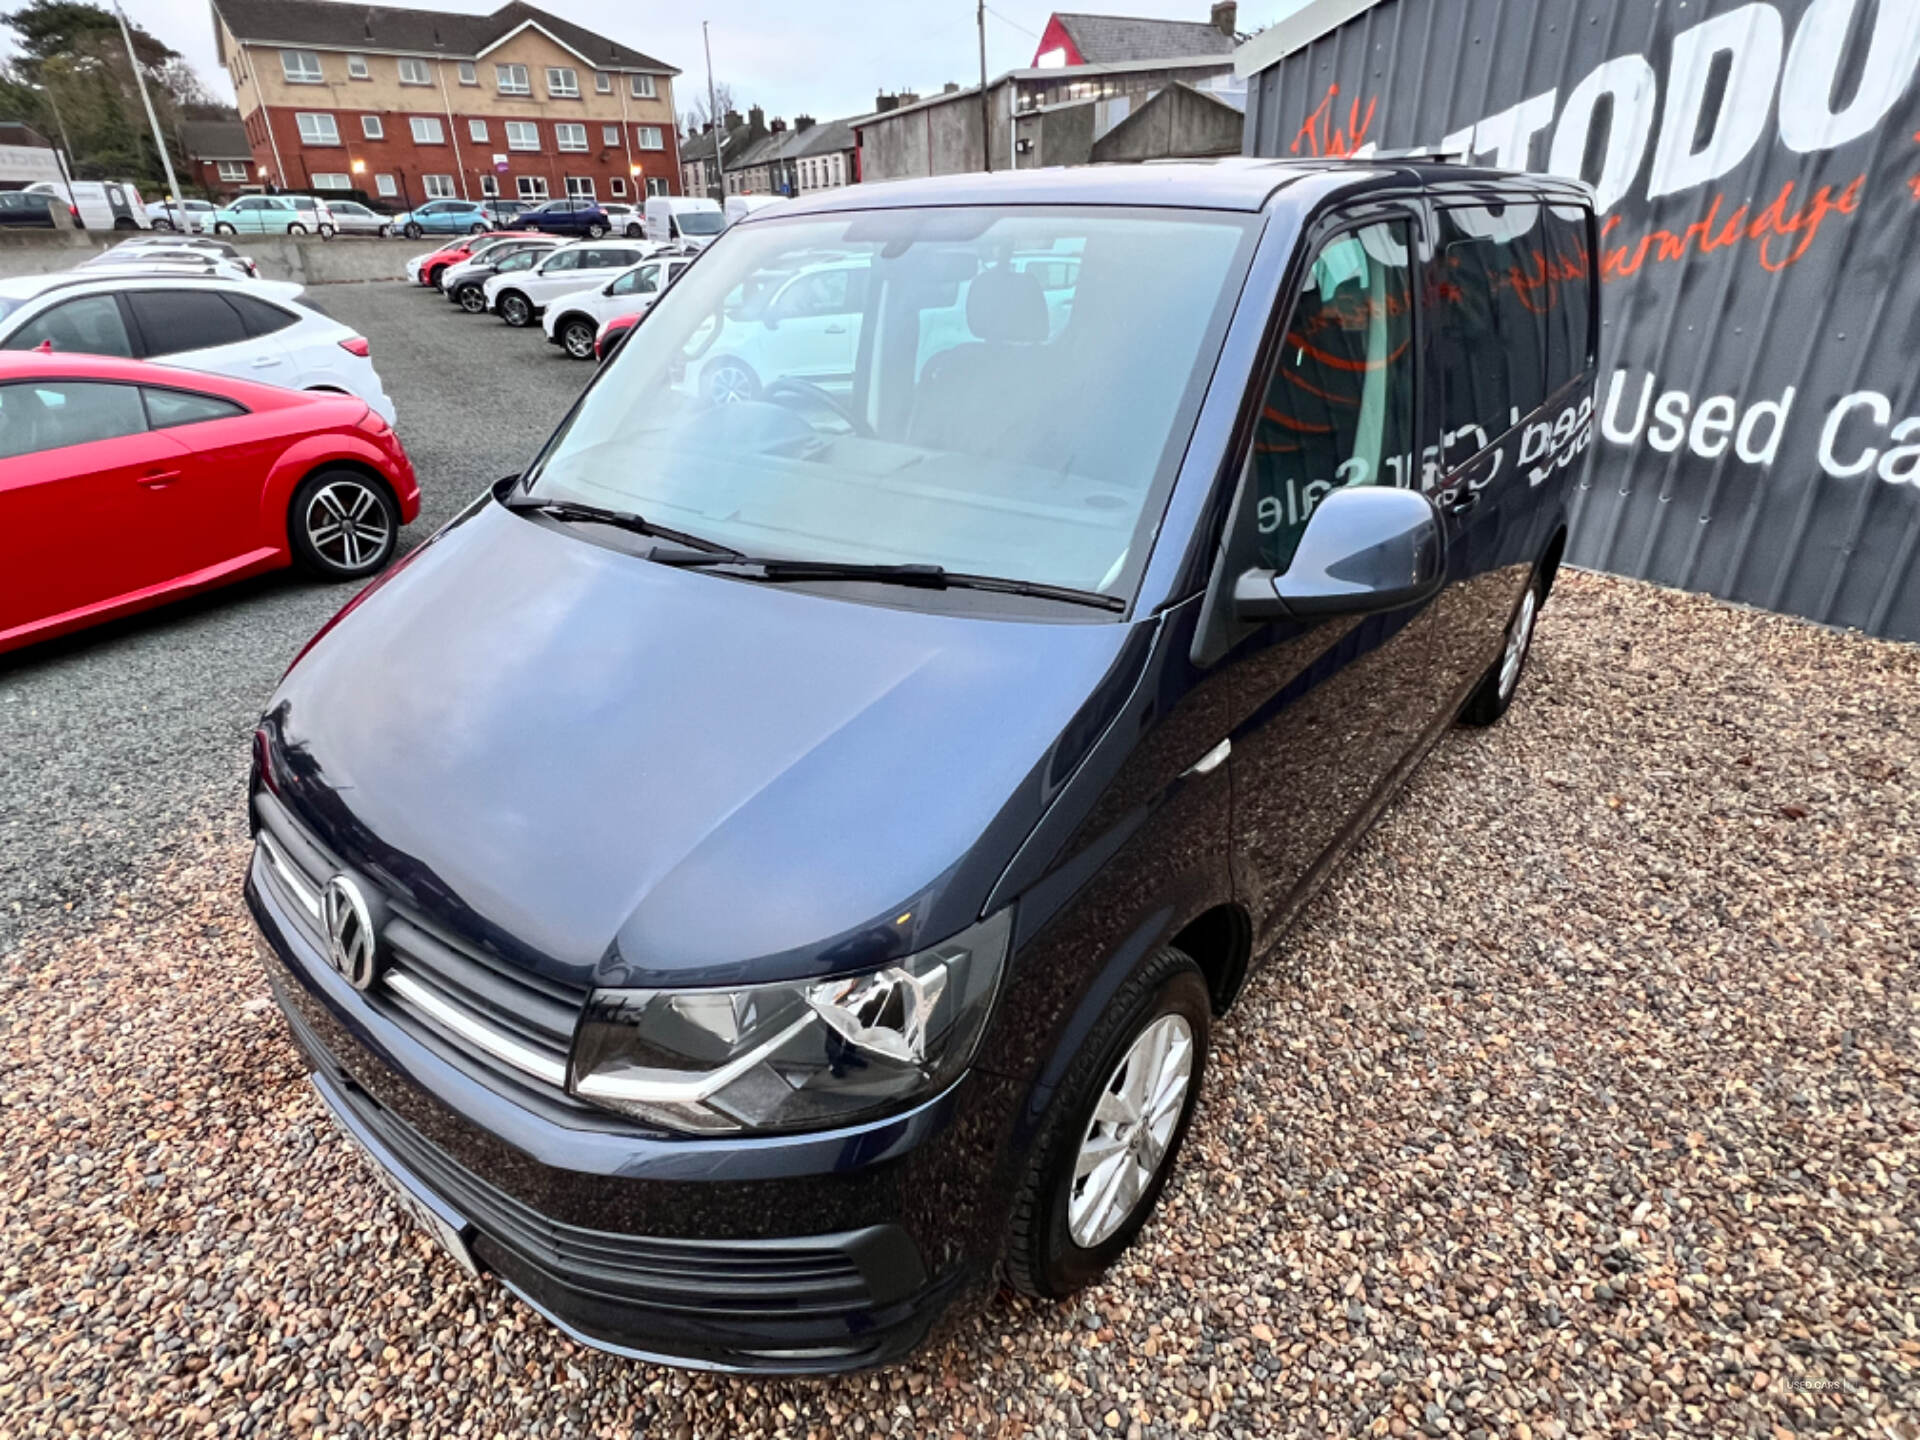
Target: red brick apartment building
(410,105)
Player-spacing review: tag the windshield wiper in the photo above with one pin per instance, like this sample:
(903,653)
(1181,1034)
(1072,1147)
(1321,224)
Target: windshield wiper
(924,577)
(575,511)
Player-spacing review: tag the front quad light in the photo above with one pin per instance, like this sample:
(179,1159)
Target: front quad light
(804,1055)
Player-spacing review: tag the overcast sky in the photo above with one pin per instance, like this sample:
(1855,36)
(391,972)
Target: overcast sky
(826,58)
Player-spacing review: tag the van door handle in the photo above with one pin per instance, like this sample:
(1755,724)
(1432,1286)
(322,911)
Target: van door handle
(159,479)
(1463,502)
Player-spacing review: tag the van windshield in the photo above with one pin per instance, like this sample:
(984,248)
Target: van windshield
(1002,392)
(699,222)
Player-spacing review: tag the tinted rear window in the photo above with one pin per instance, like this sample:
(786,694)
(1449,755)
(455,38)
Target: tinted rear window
(1511,302)
(175,321)
(258,316)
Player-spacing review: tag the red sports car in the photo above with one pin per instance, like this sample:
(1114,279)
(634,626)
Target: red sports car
(612,334)
(124,485)
(436,263)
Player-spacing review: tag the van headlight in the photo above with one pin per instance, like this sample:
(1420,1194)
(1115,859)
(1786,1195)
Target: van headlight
(805,1055)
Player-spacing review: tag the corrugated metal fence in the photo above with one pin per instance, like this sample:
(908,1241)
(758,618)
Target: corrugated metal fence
(1758,166)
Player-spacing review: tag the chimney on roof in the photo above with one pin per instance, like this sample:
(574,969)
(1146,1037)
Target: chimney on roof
(756,120)
(779,126)
(884,102)
(951,87)
(732,120)
(1225,12)
(802,123)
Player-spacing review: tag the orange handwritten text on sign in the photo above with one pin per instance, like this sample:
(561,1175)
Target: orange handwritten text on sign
(1322,138)
(1781,233)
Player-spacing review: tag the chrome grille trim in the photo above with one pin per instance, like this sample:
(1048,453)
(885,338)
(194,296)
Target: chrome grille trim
(474,1030)
(289,875)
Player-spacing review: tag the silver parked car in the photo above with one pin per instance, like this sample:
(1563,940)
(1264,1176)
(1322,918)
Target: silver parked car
(350,217)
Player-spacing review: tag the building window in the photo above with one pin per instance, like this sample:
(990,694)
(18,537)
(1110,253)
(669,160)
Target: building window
(383,184)
(415,72)
(563,83)
(301,67)
(610,135)
(657,186)
(512,79)
(329,180)
(357,68)
(317,129)
(647,137)
(643,87)
(438,187)
(603,82)
(489,186)
(468,75)
(373,127)
(531,187)
(523,135)
(580,187)
(617,188)
(570,137)
(427,131)
(233,170)
(477,131)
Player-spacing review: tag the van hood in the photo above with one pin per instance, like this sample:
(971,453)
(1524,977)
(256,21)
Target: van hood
(617,772)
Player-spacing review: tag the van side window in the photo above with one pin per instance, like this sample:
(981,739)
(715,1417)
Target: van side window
(1570,318)
(1497,290)
(1339,409)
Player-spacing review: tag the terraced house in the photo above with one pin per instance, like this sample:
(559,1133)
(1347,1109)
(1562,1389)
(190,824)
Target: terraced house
(410,105)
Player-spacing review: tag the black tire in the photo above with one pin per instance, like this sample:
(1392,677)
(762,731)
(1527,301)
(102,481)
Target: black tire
(336,555)
(477,228)
(124,223)
(576,335)
(634,232)
(414,232)
(221,227)
(386,232)
(433,276)
(163,224)
(596,230)
(472,298)
(326,232)
(515,309)
(1502,683)
(296,228)
(1043,1258)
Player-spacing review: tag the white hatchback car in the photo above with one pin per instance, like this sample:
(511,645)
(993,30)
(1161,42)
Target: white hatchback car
(573,321)
(250,329)
(519,298)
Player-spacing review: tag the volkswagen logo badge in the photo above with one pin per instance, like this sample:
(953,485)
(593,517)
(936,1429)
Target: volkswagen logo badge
(352,943)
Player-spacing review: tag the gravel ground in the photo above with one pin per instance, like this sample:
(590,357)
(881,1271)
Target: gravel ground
(114,741)
(1585,1101)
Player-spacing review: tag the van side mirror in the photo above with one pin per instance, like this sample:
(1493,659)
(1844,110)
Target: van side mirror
(1366,549)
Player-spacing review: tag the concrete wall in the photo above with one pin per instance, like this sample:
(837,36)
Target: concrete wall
(941,138)
(311,261)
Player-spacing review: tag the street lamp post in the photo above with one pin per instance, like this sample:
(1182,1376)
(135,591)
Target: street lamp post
(65,162)
(159,140)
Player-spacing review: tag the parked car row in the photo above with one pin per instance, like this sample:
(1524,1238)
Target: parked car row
(170,423)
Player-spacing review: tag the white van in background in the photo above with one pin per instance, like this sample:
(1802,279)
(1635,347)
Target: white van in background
(103,204)
(683,220)
(740,206)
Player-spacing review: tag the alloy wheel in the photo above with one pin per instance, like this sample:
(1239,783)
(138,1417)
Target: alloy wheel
(414,232)
(729,383)
(577,337)
(472,299)
(1126,1141)
(326,232)
(515,311)
(1519,636)
(347,524)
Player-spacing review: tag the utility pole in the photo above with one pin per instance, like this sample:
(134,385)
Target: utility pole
(159,140)
(986,105)
(713,115)
(66,160)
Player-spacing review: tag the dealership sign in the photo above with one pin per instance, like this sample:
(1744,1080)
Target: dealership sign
(1757,170)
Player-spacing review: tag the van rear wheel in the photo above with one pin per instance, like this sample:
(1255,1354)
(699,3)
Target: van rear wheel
(1111,1137)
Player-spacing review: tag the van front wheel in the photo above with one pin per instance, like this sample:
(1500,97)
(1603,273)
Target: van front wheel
(1113,1132)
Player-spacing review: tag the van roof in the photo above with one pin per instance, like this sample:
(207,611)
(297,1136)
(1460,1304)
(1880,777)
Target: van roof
(1242,183)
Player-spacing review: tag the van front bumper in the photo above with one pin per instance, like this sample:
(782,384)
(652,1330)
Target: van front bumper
(690,1251)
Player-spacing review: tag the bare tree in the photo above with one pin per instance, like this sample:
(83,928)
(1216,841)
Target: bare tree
(696,114)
